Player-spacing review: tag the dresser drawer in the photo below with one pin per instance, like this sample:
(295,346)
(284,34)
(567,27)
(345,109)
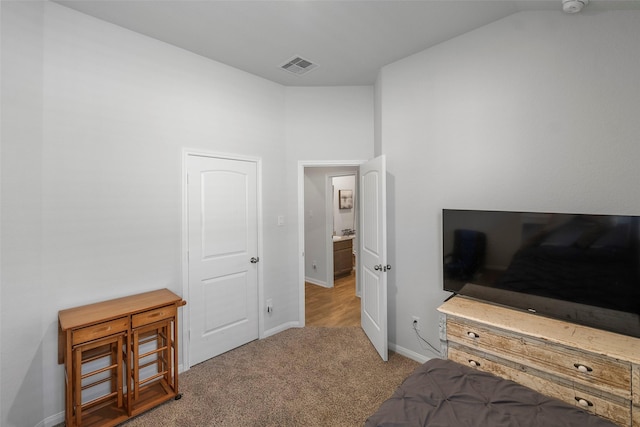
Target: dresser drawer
(577,366)
(99,330)
(615,409)
(152,316)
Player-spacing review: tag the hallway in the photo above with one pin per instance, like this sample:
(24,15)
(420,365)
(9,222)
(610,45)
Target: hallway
(333,307)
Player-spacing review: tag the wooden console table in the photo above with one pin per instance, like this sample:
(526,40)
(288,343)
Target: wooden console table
(593,369)
(120,357)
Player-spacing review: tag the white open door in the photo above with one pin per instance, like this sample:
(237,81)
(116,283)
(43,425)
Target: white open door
(373,253)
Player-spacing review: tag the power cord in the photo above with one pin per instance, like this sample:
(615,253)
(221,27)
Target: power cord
(431,347)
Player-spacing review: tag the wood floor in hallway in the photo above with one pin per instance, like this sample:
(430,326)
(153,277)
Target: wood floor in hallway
(333,307)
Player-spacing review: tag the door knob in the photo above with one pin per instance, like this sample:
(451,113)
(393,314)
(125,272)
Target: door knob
(377,267)
(254,260)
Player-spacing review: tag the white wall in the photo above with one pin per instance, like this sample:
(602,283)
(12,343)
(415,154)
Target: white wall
(324,124)
(23,329)
(329,123)
(315,226)
(535,112)
(94,122)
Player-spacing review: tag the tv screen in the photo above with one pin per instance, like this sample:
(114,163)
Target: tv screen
(577,267)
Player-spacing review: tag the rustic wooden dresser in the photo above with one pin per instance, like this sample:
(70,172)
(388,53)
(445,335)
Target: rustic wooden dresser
(590,368)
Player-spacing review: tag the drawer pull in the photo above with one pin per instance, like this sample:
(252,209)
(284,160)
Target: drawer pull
(582,368)
(472,335)
(583,402)
(473,363)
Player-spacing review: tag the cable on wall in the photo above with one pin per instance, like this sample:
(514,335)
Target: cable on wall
(421,340)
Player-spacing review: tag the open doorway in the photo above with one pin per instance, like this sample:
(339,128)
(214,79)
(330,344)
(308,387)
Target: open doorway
(331,294)
(371,243)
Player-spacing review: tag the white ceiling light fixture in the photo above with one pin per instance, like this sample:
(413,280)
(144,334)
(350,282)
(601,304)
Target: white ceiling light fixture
(573,6)
(298,66)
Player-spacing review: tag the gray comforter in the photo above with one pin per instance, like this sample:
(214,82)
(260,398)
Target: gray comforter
(442,393)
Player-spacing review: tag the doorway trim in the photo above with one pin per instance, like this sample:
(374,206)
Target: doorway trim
(186,314)
(302,164)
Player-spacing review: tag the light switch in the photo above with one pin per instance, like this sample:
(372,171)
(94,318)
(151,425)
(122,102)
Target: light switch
(280,220)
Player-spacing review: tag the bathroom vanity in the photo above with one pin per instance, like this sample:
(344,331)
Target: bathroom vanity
(342,255)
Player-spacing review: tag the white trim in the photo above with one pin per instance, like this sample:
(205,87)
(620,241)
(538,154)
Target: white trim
(52,420)
(316,282)
(186,315)
(261,299)
(281,328)
(328,232)
(185,342)
(301,265)
(408,353)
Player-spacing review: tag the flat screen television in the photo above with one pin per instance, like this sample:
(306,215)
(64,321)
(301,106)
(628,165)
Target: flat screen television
(576,267)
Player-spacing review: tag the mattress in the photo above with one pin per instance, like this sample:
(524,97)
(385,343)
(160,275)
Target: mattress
(442,393)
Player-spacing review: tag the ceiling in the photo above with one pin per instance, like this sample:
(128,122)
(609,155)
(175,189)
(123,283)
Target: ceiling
(349,40)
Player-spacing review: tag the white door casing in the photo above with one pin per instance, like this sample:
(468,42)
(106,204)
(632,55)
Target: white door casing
(373,253)
(302,164)
(222,211)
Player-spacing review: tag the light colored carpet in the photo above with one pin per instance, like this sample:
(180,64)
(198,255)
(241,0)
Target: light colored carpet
(307,377)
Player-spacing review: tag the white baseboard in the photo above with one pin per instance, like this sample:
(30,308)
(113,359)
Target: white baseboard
(280,328)
(421,358)
(316,282)
(51,421)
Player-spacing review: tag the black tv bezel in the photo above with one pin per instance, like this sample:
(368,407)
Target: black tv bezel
(617,321)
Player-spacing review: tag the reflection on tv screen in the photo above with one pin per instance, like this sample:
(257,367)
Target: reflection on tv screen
(578,258)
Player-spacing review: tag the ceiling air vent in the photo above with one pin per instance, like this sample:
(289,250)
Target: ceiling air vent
(298,66)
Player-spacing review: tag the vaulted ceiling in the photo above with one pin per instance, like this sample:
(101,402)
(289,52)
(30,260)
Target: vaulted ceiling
(348,40)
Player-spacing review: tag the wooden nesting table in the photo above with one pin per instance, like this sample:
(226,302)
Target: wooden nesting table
(120,357)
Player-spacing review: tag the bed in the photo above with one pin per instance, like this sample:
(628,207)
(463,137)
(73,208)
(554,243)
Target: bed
(443,393)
